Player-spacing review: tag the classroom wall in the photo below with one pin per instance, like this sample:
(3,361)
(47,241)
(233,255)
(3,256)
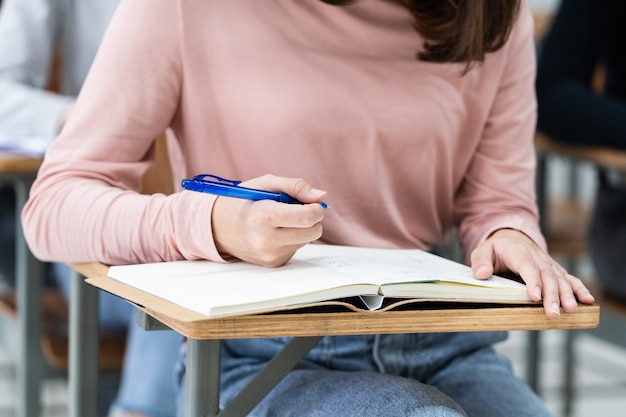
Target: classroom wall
(543,5)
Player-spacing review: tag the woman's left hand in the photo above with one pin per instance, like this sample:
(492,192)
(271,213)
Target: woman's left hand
(511,250)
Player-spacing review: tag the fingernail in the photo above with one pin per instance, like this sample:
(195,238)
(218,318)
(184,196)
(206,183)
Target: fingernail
(483,269)
(537,292)
(555,308)
(316,192)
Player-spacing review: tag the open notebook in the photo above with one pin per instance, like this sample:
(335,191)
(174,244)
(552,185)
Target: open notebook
(318,274)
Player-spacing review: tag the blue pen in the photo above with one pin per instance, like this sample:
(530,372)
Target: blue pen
(231,188)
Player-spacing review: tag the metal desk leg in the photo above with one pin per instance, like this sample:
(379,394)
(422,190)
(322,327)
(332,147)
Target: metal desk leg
(533,355)
(569,374)
(83,372)
(533,360)
(30,359)
(203,377)
(202,383)
(268,377)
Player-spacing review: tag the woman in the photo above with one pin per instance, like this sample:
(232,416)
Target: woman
(413,117)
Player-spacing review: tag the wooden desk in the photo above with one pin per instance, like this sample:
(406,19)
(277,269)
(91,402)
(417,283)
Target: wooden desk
(204,335)
(25,333)
(18,165)
(597,155)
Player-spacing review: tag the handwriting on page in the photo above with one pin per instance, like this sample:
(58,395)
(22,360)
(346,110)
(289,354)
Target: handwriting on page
(412,265)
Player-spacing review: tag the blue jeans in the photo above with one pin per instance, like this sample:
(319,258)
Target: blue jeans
(438,375)
(147,381)
(147,384)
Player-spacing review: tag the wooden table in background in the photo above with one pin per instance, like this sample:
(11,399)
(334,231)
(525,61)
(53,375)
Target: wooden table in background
(566,231)
(22,334)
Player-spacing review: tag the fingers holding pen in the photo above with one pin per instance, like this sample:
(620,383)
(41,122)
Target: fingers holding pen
(297,188)
(267,232)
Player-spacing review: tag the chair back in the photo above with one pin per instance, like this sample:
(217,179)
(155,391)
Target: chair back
(159,179)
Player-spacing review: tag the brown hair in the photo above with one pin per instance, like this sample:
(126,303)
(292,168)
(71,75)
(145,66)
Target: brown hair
(461,31)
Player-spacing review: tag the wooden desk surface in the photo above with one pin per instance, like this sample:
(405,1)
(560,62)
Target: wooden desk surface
(452,319)
(18,164)
(603,157)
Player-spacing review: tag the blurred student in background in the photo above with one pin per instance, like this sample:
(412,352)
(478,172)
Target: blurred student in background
(581,92)
(31,32)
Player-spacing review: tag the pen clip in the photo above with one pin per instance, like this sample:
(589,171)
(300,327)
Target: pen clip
(212,184)
(218,180)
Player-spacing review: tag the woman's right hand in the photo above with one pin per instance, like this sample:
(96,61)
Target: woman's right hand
(267,232)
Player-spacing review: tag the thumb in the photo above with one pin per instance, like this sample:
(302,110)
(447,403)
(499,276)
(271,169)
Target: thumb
(311,195)
(301,190)
(482,261)
(305,192)
(297,188)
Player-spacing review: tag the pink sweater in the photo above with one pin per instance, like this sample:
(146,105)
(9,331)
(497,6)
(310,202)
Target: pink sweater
(406,149)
